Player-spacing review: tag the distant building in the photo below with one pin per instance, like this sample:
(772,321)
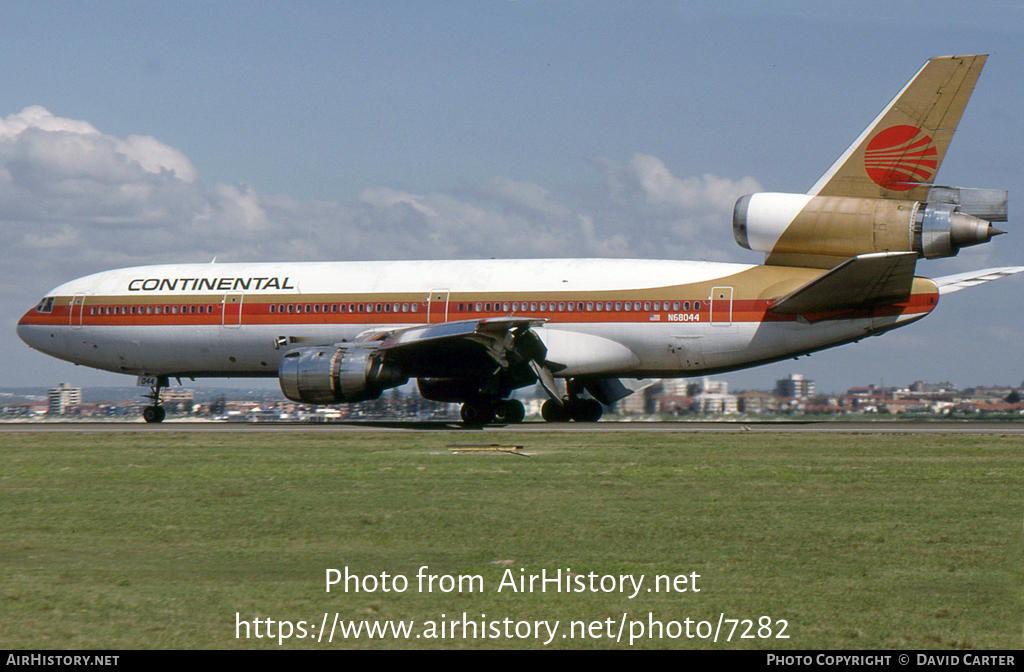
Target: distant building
(63,397)
(923,387)
(177,400)
(757,402)
(794,385)
(713,397)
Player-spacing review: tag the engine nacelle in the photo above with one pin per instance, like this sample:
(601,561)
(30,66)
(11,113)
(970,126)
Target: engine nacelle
(332,375)
(819,230)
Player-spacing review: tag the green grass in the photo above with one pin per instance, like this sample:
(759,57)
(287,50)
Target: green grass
(156,540)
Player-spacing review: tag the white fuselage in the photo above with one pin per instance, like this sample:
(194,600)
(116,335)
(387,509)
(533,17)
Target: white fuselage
(605,317)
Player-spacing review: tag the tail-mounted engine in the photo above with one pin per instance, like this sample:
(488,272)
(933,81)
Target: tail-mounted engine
(809,230)
(332,375)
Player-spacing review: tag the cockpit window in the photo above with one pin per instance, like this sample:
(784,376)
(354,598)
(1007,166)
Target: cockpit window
(46,305)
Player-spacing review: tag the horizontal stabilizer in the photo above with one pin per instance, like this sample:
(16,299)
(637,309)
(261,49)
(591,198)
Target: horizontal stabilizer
(954,283)
(881,277)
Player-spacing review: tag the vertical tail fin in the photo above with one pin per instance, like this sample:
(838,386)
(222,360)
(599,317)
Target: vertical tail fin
(898,155)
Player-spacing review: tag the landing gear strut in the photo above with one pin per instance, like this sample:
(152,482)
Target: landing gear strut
(155,412)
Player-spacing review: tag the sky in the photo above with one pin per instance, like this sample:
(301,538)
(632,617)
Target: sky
(136,133)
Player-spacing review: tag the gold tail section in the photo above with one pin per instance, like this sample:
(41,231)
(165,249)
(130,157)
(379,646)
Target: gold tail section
(899,154)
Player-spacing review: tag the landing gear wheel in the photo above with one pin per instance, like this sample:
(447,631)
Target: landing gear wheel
(586,410)
(552,411)
(511,411)
(477,414)
(153,414)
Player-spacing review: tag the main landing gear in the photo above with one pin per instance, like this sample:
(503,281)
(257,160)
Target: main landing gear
(508,411)
(577,410)
(572,407)
(155,412)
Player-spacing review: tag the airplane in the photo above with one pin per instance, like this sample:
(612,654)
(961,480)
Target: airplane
(839,266)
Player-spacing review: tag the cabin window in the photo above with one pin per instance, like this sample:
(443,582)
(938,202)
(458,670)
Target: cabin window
(174,310)
(405,307)
(590,305)
(647,305)
(686,305)
(506,306)
(657,305)
(696,305)
(377,308)
(92,311)
(414,307)
(351,307)
(273,308)
(316,308)
(387,307)
(515,306)
(599,306)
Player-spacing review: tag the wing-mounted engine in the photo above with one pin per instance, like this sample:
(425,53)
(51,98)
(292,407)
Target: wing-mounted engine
(823,231)
(336,374)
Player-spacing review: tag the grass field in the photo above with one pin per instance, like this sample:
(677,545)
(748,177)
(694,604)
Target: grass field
(857,541)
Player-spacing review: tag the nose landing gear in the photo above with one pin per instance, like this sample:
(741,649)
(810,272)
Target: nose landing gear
(155,412)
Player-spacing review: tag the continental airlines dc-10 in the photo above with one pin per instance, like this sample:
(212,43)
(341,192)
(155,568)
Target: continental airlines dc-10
(839,266)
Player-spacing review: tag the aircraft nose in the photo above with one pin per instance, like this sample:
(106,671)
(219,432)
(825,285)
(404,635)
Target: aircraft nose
(28,330)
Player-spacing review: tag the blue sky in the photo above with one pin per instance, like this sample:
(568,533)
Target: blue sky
(308,130)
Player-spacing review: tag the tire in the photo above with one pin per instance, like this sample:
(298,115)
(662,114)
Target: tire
(153,414)
(552,411)
(477,414)
(511,411)
(587,410)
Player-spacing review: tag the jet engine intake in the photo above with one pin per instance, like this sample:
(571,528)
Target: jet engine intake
(332,375)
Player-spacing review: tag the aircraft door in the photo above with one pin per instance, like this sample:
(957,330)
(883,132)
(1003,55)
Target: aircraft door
(721,306)
(77,310)
(437,306)
(231,314)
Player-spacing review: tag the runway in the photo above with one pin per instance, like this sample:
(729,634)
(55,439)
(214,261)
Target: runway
(799,427)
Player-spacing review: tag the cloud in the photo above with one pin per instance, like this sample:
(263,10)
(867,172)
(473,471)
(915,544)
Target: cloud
(74,201)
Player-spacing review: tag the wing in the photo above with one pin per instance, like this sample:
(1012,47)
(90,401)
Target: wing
(954,283)
(497,347)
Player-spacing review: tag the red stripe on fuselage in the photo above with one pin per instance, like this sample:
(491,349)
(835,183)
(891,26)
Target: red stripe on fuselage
(252,313)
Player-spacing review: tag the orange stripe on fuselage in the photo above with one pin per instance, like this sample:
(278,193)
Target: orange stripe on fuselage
(258,313)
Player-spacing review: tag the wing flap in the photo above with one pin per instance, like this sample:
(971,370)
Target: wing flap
(881,277)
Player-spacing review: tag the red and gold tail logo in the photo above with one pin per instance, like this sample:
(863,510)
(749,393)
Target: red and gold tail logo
(900,158)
